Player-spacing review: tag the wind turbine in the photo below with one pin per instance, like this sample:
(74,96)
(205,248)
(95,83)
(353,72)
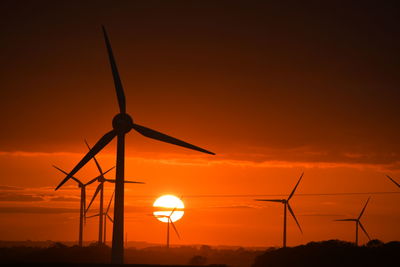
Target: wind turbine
(100,188)
(82,210)
(391,179)
(286,206)
(169,221)
(358,223)
(122,124)
(106,216)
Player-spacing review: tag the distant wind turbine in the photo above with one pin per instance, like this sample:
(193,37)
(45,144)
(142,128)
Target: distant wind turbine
(106,216)
(358,223)
(100,188)
(286,205)
(122,124)
(169,221)
(82,210)
(391,179)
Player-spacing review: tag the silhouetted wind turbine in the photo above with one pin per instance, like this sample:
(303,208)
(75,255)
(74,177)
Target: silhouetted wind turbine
(358,223)
(82,210)
(169,221)
(100,188)
(122,123)
(106,216)
(391,179)
(286,205)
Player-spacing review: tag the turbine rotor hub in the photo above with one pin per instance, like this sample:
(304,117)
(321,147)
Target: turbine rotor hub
(122,123)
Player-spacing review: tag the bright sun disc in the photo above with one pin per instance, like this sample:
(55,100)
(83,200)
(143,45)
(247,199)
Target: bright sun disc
(165,205)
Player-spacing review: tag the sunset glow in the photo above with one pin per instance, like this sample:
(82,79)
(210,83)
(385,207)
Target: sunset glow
(168,204)
(273,89)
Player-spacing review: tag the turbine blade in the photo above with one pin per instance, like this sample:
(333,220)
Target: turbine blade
(346,220)
(362,212)
(95,160)
(91,181)
(391,179)
(108,216)
(166,138)
(173,226)
(117,81)
(73,178)
(96,149)
(91,216)
(294,189)
(109,203)
(365,232)
(107,171)
(94,196)
(172,212)
(133,182)
(270,200)
(294,217)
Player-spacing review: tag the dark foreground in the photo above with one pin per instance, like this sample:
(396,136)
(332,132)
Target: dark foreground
(332,253)
(93,255)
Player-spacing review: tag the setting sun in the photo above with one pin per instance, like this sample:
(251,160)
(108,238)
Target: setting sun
(165,204)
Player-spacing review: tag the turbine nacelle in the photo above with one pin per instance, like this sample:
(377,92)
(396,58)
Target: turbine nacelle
(122,123)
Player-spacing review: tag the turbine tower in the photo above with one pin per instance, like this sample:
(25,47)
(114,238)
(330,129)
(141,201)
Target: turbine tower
(82,210)
(169,221)
(358,223)
(122,124)
(391,179)
(286,206)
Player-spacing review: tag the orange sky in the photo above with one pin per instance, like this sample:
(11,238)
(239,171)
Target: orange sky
(273,90)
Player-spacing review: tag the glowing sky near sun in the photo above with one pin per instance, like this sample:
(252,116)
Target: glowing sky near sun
(273,90)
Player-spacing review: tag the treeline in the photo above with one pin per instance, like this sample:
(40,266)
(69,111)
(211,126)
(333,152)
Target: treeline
(184,255)
(332,253)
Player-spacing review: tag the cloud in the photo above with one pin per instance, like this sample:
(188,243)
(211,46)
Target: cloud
(19,197)
(243,206)
(316,214)
(37,210)
(257,157)
(11,188)
(65,199)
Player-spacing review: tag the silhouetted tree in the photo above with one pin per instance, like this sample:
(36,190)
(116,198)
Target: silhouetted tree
(198,260)
(332,253)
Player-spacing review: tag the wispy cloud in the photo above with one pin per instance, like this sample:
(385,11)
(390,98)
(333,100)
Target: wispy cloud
(301,157)
(11,188)
(5,197)
(42,210)
(64,199)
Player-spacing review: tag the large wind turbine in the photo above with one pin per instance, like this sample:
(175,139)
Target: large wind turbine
(391,179)
(358,223)
(100,188)
(286,205)
(122,124)
(82,210)
(169,221)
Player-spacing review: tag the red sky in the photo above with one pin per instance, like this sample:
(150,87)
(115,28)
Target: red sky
(274,90)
